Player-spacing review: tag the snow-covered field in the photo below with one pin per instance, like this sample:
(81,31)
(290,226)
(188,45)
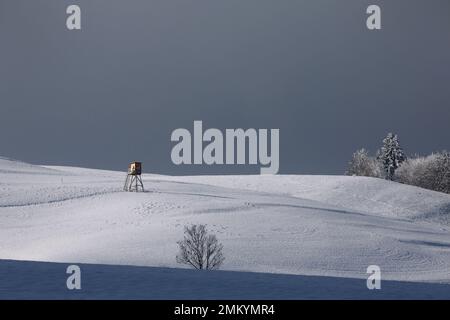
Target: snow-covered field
(331,226)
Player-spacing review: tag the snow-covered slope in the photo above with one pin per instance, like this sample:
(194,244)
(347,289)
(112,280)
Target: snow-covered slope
(304,225)
(23,184)
(364,194)
(11,166)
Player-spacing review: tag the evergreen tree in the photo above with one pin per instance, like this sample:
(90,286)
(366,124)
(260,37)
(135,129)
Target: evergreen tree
(391,155)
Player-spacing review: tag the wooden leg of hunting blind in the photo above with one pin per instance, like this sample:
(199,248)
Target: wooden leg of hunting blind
(142,184)
(133,183)
(125,186)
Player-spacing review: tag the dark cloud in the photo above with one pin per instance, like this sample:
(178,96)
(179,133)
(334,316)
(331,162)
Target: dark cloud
(140,69)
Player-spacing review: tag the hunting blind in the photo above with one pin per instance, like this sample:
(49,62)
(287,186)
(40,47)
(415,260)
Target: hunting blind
(133,182)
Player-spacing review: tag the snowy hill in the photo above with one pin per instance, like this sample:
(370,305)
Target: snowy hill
(364,194)
(301,225)
(11,166)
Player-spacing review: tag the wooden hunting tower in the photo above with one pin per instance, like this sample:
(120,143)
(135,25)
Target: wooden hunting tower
(133,181)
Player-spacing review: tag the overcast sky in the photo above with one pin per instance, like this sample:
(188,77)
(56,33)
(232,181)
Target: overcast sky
(114,91)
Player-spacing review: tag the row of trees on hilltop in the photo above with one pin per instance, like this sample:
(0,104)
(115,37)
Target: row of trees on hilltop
(390,162)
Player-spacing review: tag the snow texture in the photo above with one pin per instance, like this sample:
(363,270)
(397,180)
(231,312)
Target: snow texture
(329,227)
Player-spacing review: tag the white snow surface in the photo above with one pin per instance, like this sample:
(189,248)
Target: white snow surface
(302,225)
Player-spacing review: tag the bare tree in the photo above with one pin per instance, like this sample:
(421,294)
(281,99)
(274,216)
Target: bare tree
(200,249)
(362,164)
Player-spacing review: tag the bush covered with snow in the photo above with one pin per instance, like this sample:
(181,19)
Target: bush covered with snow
(362,164)
(430,172)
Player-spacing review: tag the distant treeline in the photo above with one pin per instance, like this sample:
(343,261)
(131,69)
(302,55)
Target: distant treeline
(429,172)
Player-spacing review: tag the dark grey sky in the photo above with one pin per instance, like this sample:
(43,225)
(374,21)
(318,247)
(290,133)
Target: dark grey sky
(137,70)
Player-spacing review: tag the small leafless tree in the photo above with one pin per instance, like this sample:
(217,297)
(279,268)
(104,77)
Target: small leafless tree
(362,164)
(200,249)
